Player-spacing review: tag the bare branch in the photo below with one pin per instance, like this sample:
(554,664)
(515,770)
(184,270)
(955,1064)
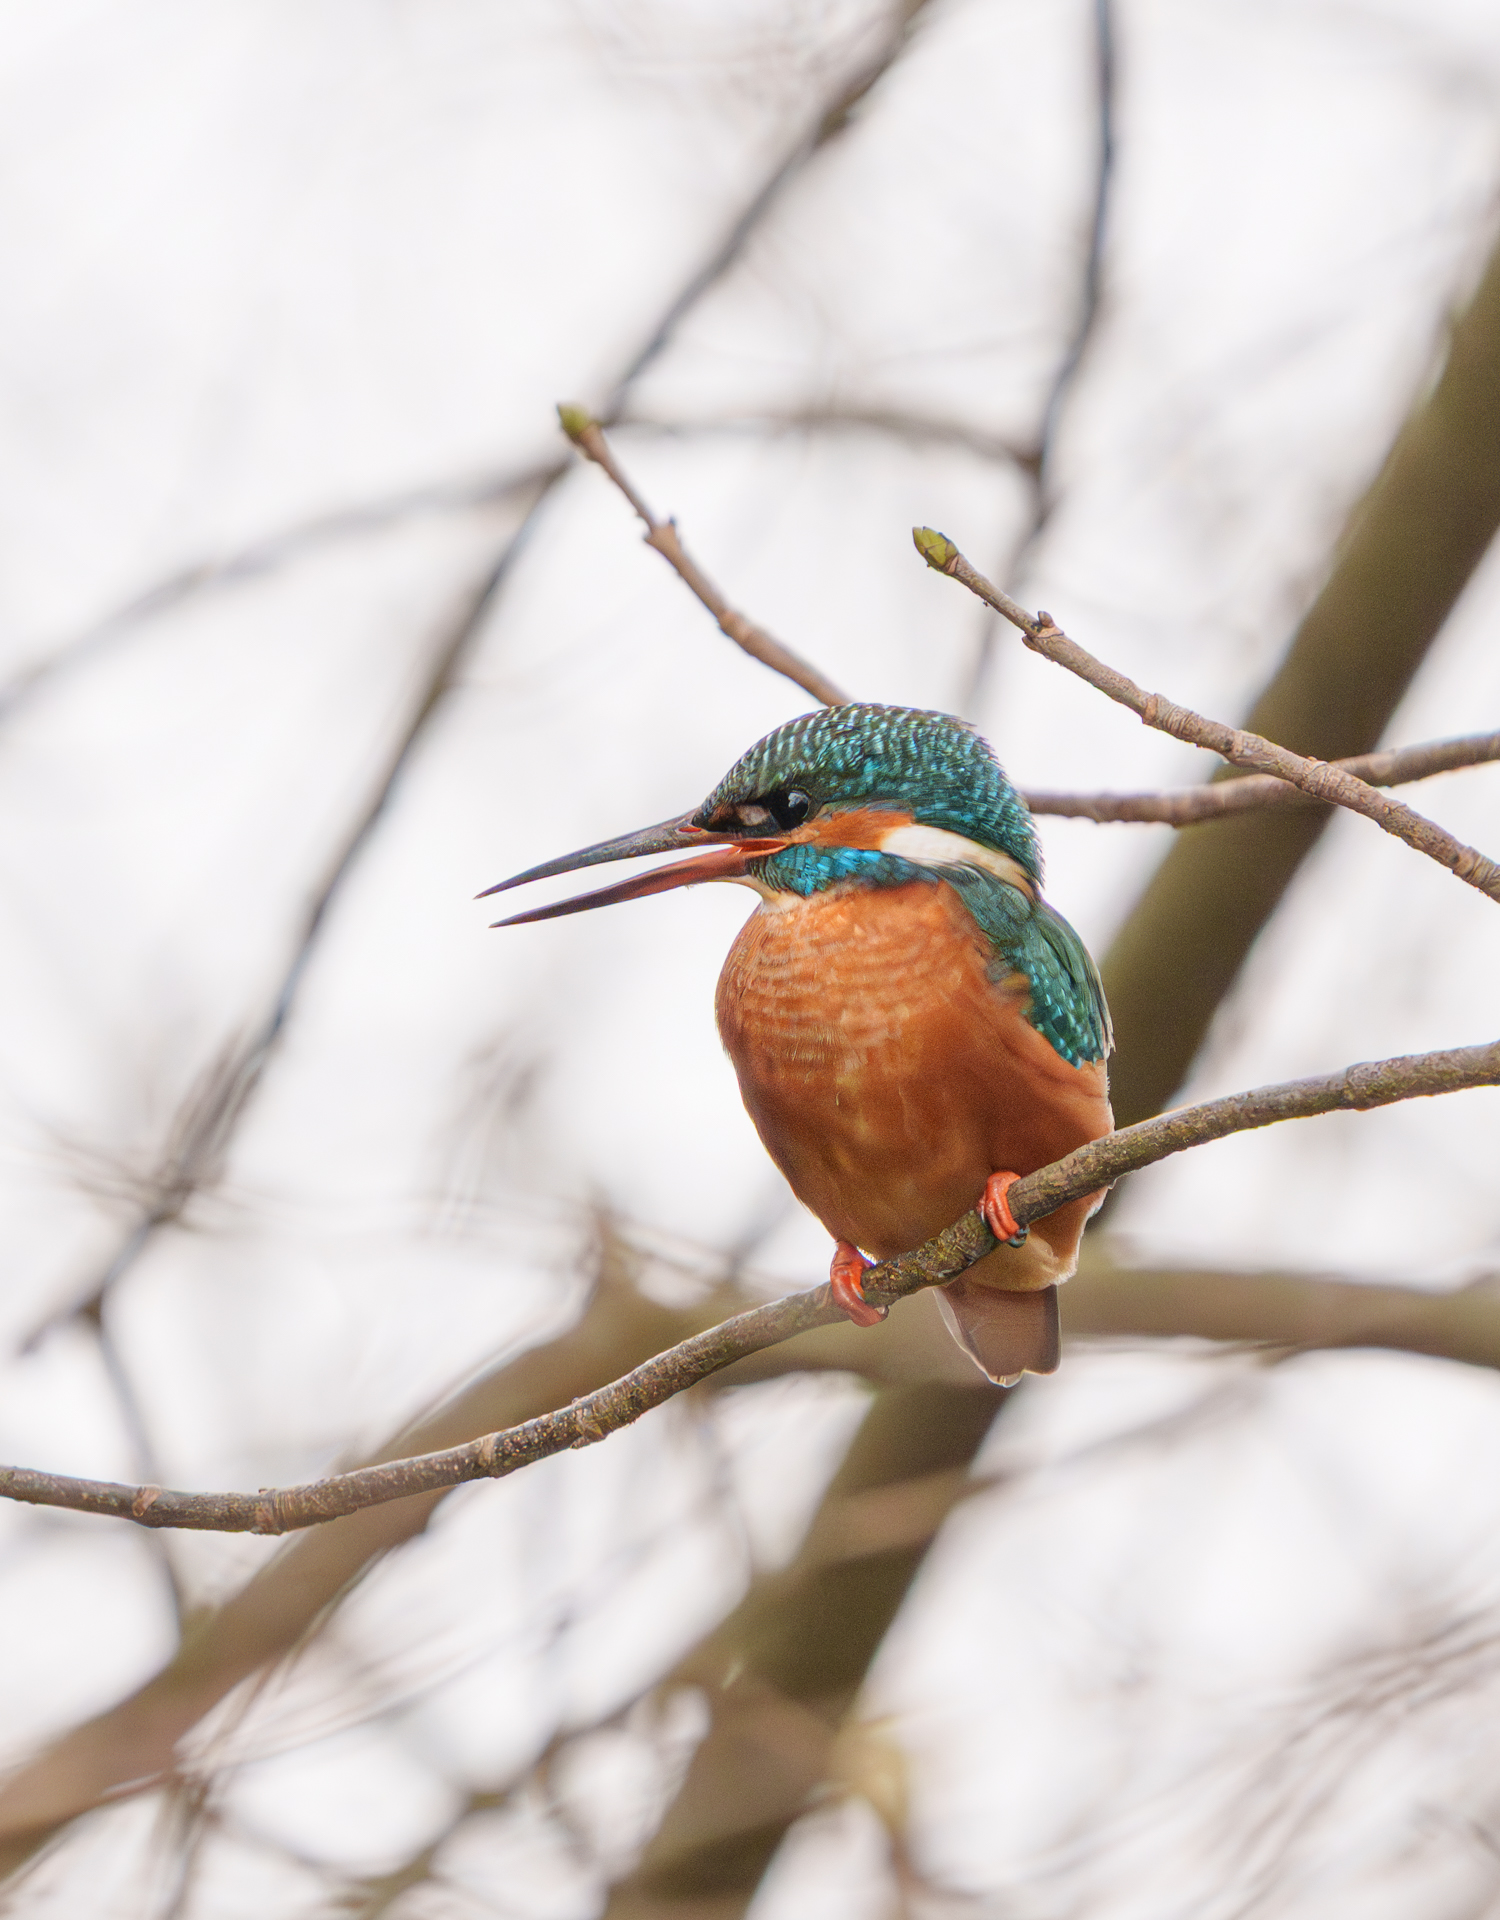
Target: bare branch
(1315,777)
(1292,1312)
(261,556)
(1409,545)
(205,1128)
(1091,288)
(1039,461)
(943,1258)
(199,1152)
(1257,792)
(588,436)
(827,123)
(832,416)
(780,1675)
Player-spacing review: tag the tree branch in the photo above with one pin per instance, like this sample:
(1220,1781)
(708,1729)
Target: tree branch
(1408,548)
(192,1162)
(1316,777)
(835,416)
(829,118)
(588,436)
(1038,462)
(1294,1312)
(264,555)
(1091,289)
(943,1258)
(1258,792)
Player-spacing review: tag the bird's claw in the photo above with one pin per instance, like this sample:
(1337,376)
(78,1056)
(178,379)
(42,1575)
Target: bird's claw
(994,1210)
(844,1275)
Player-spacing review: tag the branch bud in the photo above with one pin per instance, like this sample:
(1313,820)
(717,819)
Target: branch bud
(575,421)
(935,548)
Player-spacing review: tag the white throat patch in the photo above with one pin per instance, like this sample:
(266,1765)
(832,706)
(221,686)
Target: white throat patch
(936,847)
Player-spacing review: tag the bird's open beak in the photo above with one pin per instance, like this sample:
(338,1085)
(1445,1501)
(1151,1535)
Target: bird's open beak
(729,862)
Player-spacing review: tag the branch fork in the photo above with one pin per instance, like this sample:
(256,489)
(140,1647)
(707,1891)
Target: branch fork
(588,436)
(949,1253)
(1319,778)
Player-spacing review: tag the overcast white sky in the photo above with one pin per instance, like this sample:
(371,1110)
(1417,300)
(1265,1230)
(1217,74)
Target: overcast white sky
(322,271)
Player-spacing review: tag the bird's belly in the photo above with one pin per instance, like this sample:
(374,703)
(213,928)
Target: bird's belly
(889,1076)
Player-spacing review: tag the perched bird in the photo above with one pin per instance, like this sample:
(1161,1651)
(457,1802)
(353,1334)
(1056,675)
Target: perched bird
(912,1025)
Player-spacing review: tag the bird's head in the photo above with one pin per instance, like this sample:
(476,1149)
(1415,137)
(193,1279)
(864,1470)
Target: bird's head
(820,799)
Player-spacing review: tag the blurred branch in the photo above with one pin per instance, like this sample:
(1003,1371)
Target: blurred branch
(201,1134)
(1108,1297)
(1217,799)
(1315,777)
(588,436)
(261,556)
(133,1743)
(1408,550)
(828,120)
(1038,462)
(196,1156)
(782,1671)
(606,1410)
(896,423)
(1092,283)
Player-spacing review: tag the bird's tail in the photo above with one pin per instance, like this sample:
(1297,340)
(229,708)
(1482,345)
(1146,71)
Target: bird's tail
(1006,1334)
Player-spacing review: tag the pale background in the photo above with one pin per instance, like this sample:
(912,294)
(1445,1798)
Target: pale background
(290,292)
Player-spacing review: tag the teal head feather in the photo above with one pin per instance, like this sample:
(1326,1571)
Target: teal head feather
(929,768)
(930,765)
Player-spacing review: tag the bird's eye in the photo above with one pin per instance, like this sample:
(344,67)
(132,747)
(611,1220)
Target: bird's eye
(791,808)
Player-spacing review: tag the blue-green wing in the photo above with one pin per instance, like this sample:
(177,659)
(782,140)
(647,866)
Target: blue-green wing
(1027,936)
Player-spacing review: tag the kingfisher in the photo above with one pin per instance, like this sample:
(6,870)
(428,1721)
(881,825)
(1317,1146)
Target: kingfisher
(913,1027)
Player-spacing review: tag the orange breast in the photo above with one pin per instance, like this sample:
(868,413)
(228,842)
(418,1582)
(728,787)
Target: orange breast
(889,1076)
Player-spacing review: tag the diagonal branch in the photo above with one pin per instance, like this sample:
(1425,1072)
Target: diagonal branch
(1289,1312)
(264,555)
(837,416)
(1039,461)
(1316,777)
(1091,289)
(1408,548)
(588,436)
(828,120)
(202,1151)
(1261,792)
(943,1258)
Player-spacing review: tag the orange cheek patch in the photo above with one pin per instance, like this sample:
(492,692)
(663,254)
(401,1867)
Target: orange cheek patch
(853,827)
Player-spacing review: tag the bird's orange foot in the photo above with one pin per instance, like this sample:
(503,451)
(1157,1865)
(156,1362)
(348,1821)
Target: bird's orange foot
(995,1211)
(844,1276)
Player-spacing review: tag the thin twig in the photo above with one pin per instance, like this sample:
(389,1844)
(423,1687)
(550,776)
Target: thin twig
(588,436)
(832,416)
(1258,792)
(1091,289)
(1316,777)
(1039,462)
(455,646)
(828,121)
(943,1258)
(185,583)
(262,556)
